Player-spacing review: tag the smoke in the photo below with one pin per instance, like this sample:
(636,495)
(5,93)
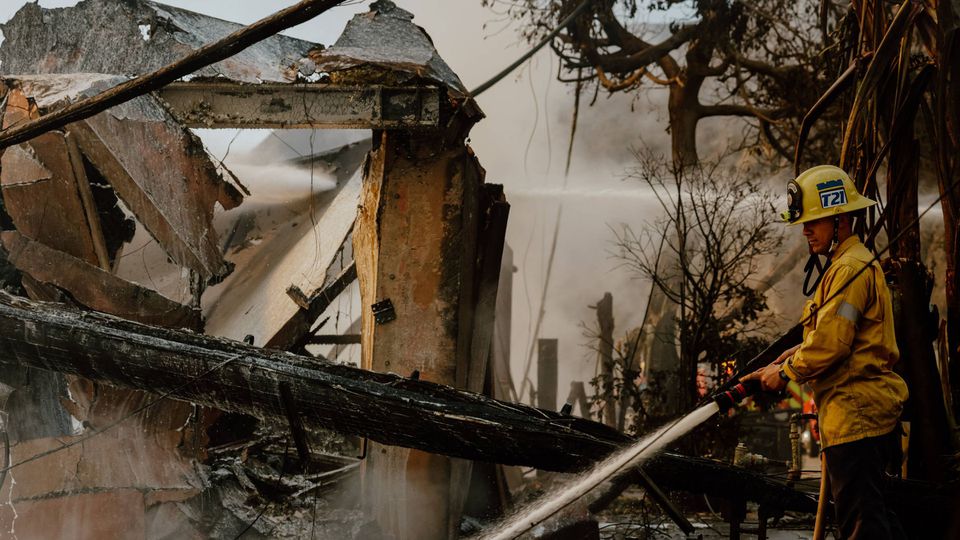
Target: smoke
(523,145)
(281,183)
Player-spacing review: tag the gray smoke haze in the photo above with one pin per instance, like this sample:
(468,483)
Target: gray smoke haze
(522,144)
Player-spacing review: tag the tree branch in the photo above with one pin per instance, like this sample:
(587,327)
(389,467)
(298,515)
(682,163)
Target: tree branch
(723,109)
(782,73)
(624,62)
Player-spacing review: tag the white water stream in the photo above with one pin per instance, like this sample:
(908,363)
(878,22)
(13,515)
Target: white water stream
(537,512)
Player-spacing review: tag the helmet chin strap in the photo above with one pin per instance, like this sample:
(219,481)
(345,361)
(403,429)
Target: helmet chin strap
(813,266)
(836,236)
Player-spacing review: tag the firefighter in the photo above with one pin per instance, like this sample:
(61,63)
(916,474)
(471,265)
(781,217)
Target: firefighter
(847,353)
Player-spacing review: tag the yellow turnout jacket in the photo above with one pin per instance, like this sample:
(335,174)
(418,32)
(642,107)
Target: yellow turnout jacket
(849,349)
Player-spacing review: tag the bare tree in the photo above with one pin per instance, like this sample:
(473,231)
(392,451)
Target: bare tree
(760,60)
(704,255)
(616,386)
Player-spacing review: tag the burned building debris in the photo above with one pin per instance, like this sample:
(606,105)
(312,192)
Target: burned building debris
(194,401)
(148,35)
(163,183)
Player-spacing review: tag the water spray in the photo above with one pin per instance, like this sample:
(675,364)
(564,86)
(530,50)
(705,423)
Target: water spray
(729,393)
(529,518)
(727,396)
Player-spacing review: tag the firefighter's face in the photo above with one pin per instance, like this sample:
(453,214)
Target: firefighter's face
(819,235)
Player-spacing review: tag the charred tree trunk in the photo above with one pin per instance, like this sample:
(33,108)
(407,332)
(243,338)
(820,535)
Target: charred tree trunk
(930,440)
(683,107)
(916,326)
(684,103)
(605,359)
(946,129)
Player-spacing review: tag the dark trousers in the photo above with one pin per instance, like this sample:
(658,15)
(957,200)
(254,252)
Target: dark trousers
(856,472)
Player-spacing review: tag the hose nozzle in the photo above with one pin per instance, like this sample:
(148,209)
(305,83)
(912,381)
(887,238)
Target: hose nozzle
(730,398)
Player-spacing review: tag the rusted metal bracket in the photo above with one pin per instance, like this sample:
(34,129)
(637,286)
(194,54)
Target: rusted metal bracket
(203,104)
(383,311)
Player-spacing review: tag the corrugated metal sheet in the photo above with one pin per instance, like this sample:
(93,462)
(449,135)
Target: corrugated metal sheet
(135,37)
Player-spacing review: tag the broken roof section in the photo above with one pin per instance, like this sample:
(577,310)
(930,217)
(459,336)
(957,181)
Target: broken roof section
(387,38)
(157,167)
(134,37)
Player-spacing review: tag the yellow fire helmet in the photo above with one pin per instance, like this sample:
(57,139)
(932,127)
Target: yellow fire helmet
(822,191)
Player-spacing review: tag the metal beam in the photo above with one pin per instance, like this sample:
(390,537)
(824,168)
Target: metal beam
(297,106)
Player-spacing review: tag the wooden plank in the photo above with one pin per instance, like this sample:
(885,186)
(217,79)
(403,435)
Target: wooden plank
(40,189)
(89,206)
(491,240)
(93,287)
(500,358)
(605,358)
(162,175)
(253,300)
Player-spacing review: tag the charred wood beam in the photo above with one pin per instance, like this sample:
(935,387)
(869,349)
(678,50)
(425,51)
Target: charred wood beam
(334,339)
(322,300)
(93,287)
(491,241)
(301,106)
(383,407)
(295,334)
(296,424)
(202,57)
